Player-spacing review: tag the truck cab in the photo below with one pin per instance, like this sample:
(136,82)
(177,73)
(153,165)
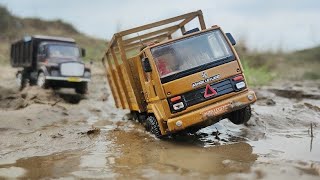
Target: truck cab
(50,62)
(178,83)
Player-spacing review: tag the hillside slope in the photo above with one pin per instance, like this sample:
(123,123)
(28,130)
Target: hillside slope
(14,28)
(261,67)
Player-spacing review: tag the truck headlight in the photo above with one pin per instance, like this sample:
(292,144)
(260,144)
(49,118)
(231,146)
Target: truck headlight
(241,85)
(54,73)
(87,74)
(178,106)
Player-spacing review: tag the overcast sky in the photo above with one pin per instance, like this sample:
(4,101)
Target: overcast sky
(265,25)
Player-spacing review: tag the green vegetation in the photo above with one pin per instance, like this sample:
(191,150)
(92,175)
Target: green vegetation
(257,76)
(264,67)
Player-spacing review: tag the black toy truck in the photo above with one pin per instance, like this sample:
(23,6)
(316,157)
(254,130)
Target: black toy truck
(49,61)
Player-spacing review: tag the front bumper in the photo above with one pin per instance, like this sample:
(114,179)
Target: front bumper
(68,79)
(212,111)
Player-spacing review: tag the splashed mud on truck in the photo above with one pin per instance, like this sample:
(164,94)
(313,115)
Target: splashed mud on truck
(171,78)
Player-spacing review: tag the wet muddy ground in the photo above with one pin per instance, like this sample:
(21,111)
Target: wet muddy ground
(58,134)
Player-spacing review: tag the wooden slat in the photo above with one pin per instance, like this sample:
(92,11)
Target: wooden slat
(123,91)
(116,83)
(141,37)
(113,77)
(120,75)
(127,68)
(113,90)
(182,24)
(201,21)
(111,43)
(159,23)
(116,50)
(139,44)
(147,40)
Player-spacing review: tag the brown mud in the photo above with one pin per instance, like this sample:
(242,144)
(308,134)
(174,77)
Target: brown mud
(59,134)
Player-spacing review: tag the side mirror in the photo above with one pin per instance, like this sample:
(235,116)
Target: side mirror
(231,39)
(146,65)
(83,52)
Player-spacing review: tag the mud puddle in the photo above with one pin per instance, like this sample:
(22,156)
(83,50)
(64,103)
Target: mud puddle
(124,150)
(144,157)
(62,135)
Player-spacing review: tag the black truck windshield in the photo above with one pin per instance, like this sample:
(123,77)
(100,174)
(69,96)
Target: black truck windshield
(191,54)
(63,51)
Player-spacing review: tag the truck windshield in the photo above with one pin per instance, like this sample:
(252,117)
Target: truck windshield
(63,51)
(192,54)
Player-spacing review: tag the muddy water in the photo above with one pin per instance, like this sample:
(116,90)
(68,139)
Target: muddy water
(46,134)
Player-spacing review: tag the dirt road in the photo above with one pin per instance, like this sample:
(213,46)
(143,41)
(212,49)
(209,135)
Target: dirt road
(58,134)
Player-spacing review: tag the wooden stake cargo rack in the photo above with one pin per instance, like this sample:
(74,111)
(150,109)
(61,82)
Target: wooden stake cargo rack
(120,71)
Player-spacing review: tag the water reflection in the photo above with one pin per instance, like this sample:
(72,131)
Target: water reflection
(96,163)
(53,166)
(125,150)
(179,156)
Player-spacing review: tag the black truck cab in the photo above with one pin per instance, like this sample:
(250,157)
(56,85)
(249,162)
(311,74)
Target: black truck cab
(50,62)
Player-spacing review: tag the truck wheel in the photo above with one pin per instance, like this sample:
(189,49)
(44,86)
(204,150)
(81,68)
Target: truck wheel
(142,117)
(21,80)
(56,88)
(41,81)
(152,126)
(240,116)
(82,88)
(134,115)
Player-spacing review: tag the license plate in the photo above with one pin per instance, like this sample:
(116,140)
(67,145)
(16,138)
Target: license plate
(216,111)
(73,79)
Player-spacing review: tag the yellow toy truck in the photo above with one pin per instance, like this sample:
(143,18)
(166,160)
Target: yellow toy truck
(171,78)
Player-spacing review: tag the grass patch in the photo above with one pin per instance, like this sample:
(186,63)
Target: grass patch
(311,75)
(257,76)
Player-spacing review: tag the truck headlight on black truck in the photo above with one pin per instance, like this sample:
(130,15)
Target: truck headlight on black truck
(54,72)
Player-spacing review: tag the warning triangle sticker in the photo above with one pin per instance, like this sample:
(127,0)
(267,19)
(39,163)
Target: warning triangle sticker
(209,91)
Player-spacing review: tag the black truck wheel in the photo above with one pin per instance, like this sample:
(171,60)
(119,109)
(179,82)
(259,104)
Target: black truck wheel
(82,88)
(21,80)
(152,126)
(142,117)
(134,115)
(41,81)
(240,116)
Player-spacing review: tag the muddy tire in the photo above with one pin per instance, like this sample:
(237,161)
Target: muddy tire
(142,118)
(152,126)
(21,80)
(240,116)
(56,88)
(133,115)
(82,88)
(42,82)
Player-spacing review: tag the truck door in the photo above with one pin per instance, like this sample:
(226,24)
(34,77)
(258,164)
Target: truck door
(41,56)
(147,83)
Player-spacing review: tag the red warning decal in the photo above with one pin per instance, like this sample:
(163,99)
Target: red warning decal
(209,91)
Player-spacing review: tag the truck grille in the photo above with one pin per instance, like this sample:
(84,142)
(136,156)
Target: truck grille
(72,69)
(197,96)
